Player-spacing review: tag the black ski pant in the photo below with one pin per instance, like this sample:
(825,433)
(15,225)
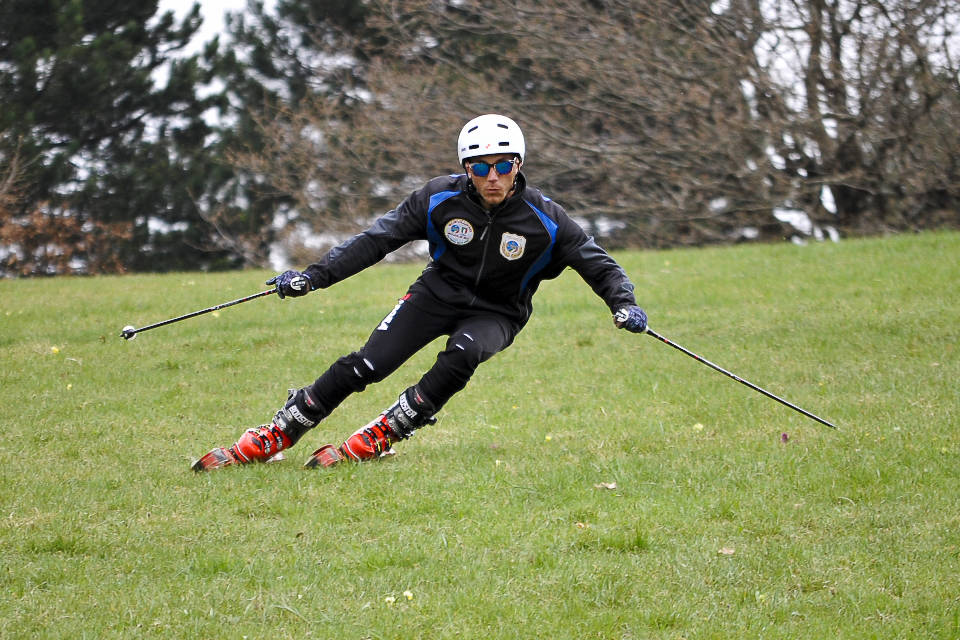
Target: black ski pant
(417,320)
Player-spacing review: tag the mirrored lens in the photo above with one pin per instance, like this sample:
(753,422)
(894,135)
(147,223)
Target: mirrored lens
(481,169)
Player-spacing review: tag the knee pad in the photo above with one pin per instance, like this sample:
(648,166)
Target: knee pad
(463,346)
(356,372)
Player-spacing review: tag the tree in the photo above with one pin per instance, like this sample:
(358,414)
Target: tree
(634,119)
(304,57)
(101,117)
(859,98)
(670,121)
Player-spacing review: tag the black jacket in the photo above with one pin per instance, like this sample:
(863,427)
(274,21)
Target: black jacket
(482,261)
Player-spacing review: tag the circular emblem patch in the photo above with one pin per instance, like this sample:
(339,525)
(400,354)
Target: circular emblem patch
(458,231)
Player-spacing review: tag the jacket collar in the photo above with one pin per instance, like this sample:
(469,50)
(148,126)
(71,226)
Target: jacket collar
(519,186)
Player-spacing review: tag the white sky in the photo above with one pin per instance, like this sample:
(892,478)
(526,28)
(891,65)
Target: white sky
(212,11)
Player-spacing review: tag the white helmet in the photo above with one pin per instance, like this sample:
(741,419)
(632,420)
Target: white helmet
(489,134)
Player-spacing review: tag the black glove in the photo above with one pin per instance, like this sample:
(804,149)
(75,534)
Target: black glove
(291,283)
(631,318)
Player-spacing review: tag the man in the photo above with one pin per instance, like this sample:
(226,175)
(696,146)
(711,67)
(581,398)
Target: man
(492,240)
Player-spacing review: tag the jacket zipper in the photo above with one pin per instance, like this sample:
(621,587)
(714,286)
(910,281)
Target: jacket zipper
(483,257)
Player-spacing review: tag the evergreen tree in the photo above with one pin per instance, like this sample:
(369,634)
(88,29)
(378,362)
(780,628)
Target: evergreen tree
(100,115)
(300,56)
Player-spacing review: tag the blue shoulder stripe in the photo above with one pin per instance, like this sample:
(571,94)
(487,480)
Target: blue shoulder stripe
(546,256)
(435,240)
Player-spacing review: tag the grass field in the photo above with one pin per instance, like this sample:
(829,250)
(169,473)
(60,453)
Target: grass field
(588,483)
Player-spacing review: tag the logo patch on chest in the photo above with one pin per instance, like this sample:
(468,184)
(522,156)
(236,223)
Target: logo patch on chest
(458,231)
(512,246)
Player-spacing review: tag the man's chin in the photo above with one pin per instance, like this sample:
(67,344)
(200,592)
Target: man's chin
(493,199)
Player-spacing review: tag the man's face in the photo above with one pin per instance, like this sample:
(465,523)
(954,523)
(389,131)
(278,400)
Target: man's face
(494,187)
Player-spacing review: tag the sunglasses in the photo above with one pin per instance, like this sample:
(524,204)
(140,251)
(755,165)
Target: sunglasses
(503,167)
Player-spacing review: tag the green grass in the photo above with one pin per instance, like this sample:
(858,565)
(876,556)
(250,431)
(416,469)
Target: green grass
(492,520)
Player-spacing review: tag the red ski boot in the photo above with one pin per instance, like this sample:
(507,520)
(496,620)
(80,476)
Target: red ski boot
(372,441)
(375,440)
(255,445)
(300,413)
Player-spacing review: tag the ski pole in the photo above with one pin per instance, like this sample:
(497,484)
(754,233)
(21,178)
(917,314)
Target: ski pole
(739,379)
(129,332)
